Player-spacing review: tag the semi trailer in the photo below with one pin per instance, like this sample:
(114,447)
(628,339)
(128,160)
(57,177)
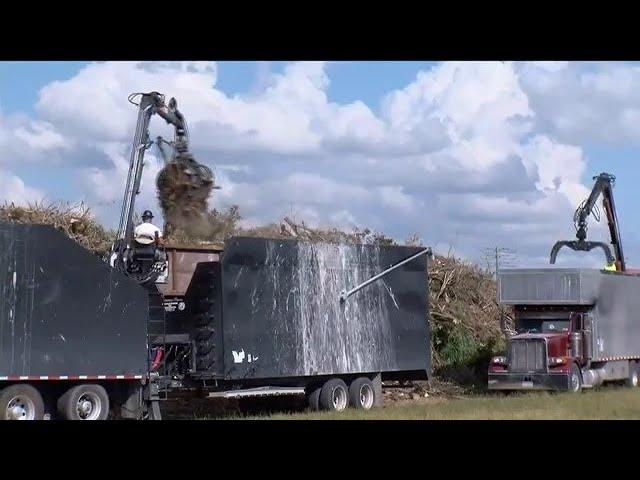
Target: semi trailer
(81,340)
(575,328)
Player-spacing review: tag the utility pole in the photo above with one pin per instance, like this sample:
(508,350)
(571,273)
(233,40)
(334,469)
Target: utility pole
(500,257)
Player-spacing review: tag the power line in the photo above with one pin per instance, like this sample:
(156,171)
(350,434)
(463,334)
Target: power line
(499,257)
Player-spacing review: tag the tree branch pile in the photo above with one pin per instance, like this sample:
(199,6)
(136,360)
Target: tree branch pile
(74,220)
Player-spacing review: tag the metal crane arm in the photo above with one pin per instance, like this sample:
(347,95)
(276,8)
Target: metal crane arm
(603,186)
(150,103)
(135,260)
(134,177)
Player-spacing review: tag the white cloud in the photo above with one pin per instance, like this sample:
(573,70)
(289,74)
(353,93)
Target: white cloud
(15,191)
(469,153)
(582,102)
(39,136)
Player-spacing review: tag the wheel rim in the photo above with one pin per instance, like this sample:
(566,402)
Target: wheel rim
(366,396)
(575,382)
(89,406)
(339,398)
(20,408)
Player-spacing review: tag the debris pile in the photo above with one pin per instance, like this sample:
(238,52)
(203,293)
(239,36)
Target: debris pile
(399,392)
(183,188)
(290,229)
(463,295)
(74,220)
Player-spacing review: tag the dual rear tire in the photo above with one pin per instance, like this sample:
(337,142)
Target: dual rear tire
(22,401)
(335,395)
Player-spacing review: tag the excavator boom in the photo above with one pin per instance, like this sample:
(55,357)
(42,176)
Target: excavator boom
(195,178)
(603,186)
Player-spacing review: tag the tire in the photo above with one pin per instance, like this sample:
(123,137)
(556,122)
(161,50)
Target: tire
(575,379)
(84,402)
(21,402)
(313,397)
(362,394)
(632,381)
(334,395)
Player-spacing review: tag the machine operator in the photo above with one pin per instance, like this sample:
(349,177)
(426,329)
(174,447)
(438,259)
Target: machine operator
(146,233)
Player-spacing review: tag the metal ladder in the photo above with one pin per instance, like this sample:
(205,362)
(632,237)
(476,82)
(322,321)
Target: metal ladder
(158,329)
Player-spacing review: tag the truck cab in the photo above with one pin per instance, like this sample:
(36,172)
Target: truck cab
(540,355)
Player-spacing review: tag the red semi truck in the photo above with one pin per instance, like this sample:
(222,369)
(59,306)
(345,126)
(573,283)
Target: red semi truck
(575,328)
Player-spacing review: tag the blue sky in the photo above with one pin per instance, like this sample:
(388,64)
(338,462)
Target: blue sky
(349,82)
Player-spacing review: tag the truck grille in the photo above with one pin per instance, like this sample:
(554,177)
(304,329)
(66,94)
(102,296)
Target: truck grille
(527,355)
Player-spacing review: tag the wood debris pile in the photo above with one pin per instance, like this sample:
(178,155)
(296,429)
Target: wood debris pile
(74,220)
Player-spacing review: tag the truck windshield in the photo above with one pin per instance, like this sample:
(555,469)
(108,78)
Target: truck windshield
(536,325)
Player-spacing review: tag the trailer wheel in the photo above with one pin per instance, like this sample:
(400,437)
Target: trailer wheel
(334,395)
(21,402)
(632,381)
(575,379)
(361,393)
(84,402)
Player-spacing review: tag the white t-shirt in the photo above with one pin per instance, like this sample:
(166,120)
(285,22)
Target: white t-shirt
(145,233)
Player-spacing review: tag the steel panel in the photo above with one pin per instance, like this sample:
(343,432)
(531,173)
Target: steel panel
(283,317)
(63,311)
(548,286)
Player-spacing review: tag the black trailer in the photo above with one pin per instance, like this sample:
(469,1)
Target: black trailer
(79,339)
(274,317)
(283,313)
(73,331)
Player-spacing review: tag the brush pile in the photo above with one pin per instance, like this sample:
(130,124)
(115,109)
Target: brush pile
(74,220)
(290,229)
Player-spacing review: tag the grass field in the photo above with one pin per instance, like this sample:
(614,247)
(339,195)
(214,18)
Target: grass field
(608,403)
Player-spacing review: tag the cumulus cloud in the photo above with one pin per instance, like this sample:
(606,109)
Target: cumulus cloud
(469,154)
(15,191)
(581,103)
